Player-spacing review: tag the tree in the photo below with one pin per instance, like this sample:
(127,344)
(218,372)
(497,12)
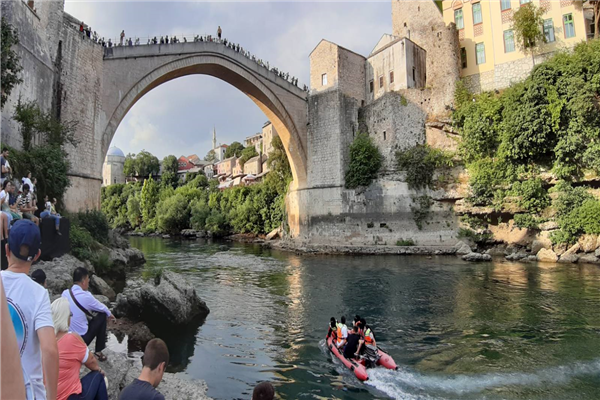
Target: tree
(211,156)
(596,19)
(278,162)
(247,154)
(527,26)
(11,66)
(235,149)
(365,162)
(148,200)
(144,164)
(169,174)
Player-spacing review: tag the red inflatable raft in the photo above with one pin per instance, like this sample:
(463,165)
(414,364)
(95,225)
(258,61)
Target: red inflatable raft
(358,367)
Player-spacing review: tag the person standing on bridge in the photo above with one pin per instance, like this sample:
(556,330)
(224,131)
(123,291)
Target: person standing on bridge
(219,32)
(121,37)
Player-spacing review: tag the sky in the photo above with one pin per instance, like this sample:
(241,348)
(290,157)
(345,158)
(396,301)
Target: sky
(178,117)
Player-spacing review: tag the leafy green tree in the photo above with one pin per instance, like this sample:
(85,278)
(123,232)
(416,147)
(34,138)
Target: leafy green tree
(234,149)
(527,26)
(129,166)
(170,166)
(11,66)
(173,214)
(211,156)
(365,162)
(280,172)
(143,164)
(247,154)
(134,212)
(420,163)
(148,200)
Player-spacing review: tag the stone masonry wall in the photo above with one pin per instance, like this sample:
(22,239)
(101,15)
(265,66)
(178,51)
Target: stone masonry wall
(422,22)
(351,74)
(395,124)
(333,120)
(324,60)
(38,33)
(81,79)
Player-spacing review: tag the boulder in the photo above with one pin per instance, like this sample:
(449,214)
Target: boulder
(511,234)
(274,234)
(573,249)
(169,299)
(530,258)
(137,332)
(568,258)
(189,233)
(99,286)
(560,249)
(517,256)
(59,272)
(546,255)
(597,253)
(477,257)
(589,259)
(117,241)
(497,250)
(540,243)
(587,243)
(548,226)
(462,248)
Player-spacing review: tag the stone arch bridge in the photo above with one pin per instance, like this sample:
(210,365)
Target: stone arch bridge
(129,72)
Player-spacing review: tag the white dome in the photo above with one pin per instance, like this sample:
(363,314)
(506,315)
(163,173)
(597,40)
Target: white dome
(115,151)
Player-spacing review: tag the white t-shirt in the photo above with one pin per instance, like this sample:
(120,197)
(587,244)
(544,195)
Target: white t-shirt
(29,309)
(48,206)
(3,195)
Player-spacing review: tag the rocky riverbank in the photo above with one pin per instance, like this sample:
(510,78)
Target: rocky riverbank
(164,299)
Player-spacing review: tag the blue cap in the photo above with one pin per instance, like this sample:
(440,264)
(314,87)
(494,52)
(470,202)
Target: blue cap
(24,233)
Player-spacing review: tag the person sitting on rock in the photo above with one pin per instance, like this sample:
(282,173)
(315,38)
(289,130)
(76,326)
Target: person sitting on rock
(72,352)
(263,391)
(83,306)
(154,361)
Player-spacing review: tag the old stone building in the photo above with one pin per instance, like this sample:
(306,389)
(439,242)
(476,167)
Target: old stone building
(112,169)
(255,141)
(268,133)
(490,57)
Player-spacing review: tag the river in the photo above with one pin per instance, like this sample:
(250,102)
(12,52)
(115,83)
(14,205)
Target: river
(498,330)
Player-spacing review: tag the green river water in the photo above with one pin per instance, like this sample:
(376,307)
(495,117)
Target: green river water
(497,330)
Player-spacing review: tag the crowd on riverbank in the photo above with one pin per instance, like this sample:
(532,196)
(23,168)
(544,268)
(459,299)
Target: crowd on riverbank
(86,31)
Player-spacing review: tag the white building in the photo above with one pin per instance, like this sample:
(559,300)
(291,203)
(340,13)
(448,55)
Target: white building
(112,170)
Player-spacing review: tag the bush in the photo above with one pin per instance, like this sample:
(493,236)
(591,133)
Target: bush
(420,163)
(581,220)
(102,263)
(172,214)
(81,242)
(365,162)
(532,195)
(420,209)
(94,222)
(526,221)
(407,242)
(487,176)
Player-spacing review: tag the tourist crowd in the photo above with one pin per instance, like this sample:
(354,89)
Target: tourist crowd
(44,345)
(124,41)
(19,200)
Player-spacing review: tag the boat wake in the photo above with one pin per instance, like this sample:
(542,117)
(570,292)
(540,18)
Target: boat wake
(406,384)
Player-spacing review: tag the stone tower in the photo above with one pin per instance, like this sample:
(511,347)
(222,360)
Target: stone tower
(423,23)
(214,138)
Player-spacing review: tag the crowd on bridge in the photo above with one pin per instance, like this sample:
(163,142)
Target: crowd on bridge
(86,31)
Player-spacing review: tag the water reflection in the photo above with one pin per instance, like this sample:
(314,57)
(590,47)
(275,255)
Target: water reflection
(458,330)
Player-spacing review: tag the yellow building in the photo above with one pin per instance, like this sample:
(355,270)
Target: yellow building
(489,56)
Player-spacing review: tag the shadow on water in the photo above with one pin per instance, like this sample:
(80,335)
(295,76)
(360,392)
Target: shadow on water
(495,330)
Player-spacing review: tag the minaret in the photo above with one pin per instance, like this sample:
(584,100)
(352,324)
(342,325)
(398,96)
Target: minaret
(214,138)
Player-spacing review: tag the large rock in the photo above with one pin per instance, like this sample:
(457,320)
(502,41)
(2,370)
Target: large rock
(546,255)
(573,249)
(548,226)
(477,257)
(462,248)
(99,286)
(138,333)
(568,258)
(115,240)
(497,250)
(121,370)
(509,233)
(587,243)
(167,299)
(59,272)
(540,243)
(274,234)
(560,248)
(517,256)
(589,259)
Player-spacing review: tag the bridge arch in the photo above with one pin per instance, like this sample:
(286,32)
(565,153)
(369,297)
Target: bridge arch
(131,72)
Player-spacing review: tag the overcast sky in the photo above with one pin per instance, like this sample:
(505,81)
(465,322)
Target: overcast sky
(178,117)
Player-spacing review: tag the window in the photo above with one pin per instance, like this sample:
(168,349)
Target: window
(569,26)
(505,5)
(480,53)
(324,79)
(477,18)
(525,1)
(414,75)
(549,30)
(509,41)
(463,57)
(384,135)
(458,19)
(371,86)
(380,81)
(391,76)
(115,180)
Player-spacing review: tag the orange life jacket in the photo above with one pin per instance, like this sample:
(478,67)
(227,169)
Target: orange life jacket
(339,331)
(368,336)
